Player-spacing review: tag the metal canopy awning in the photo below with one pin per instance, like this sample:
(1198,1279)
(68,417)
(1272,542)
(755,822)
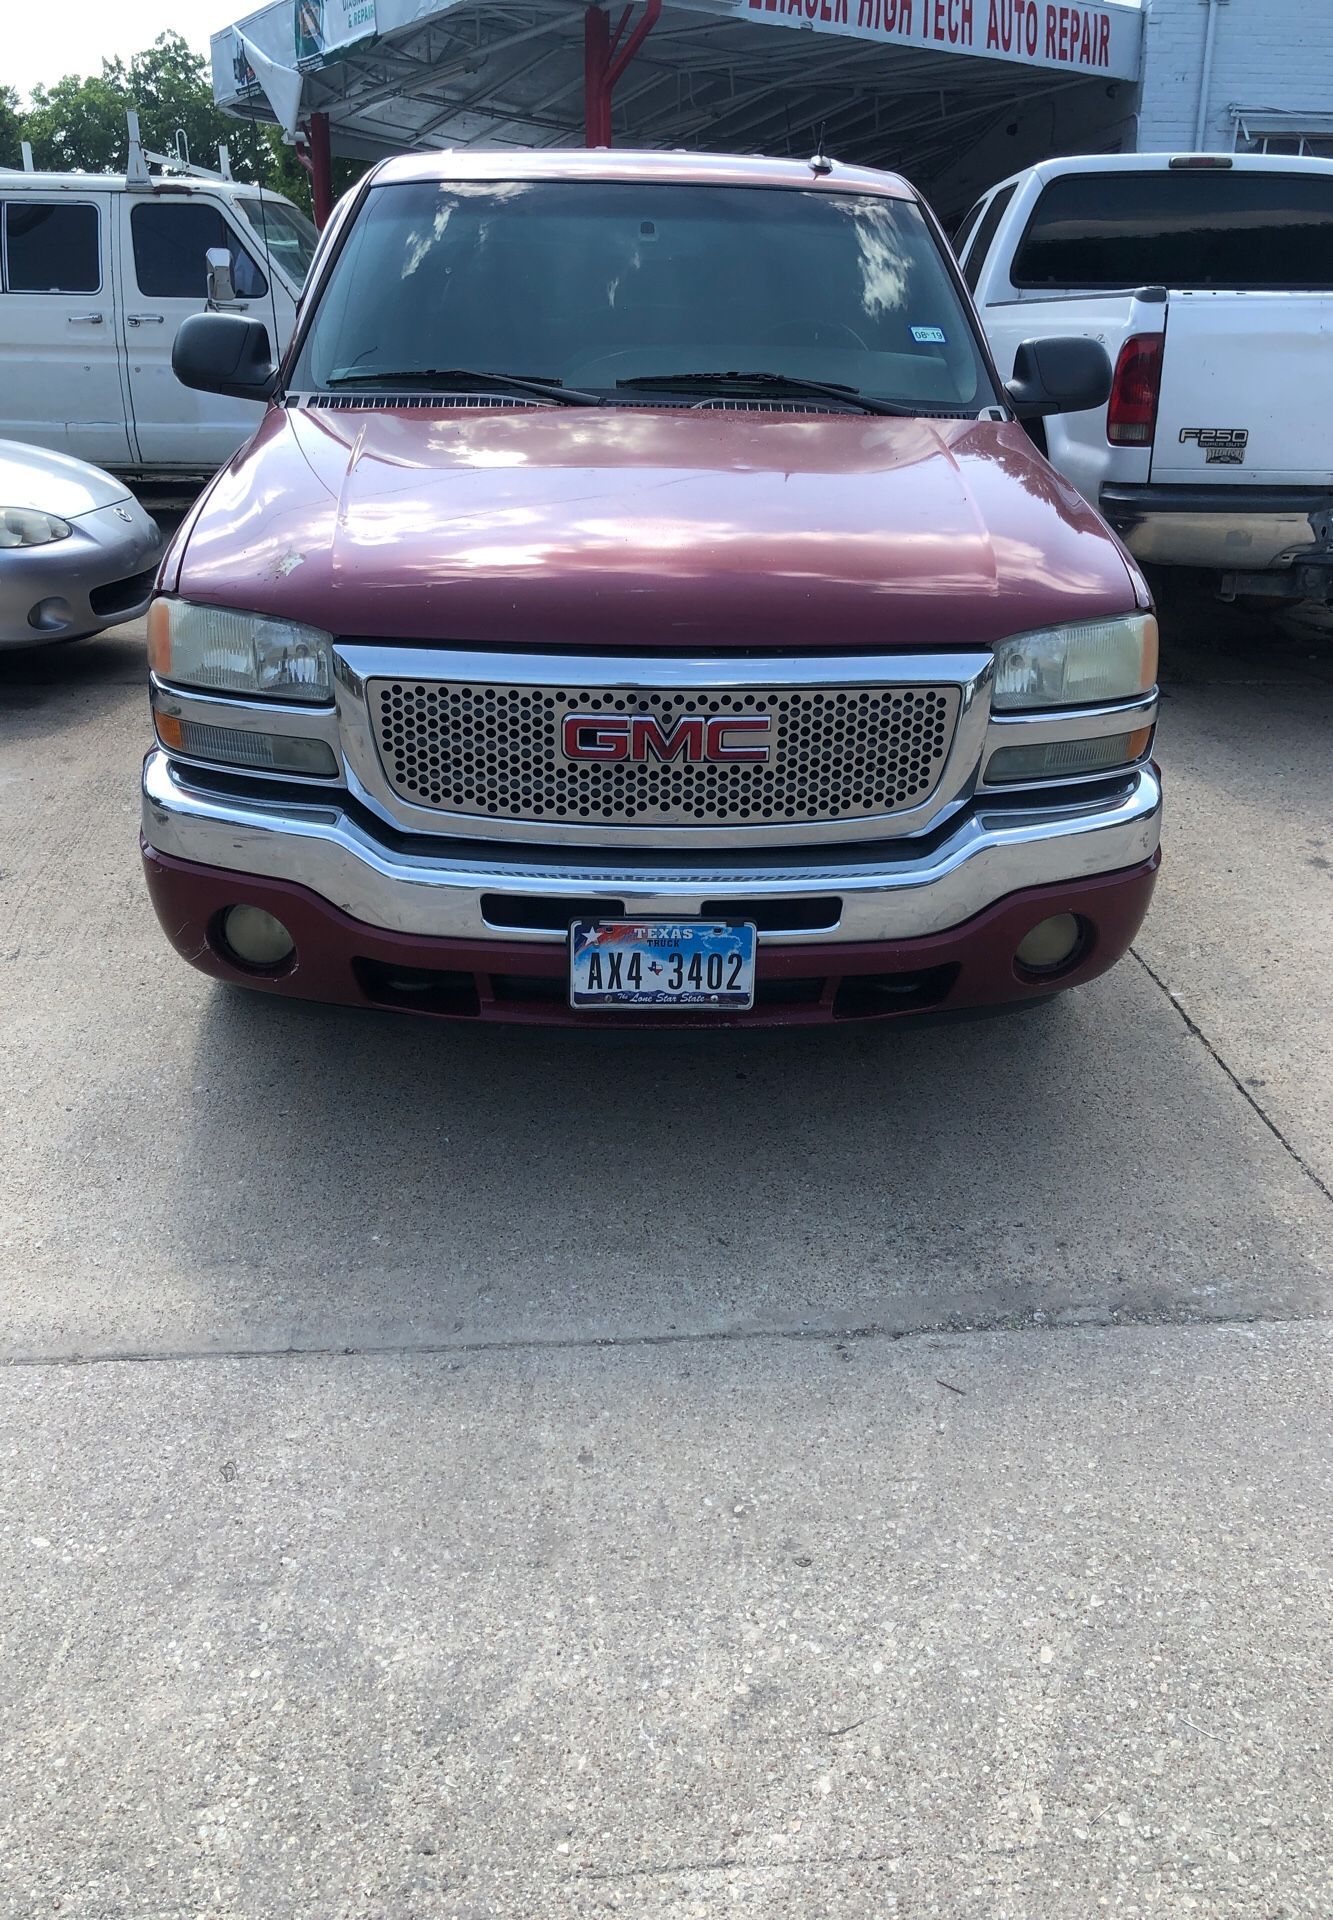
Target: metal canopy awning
(897,82)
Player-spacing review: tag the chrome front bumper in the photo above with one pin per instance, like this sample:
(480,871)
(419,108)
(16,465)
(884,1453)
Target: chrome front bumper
(894,891)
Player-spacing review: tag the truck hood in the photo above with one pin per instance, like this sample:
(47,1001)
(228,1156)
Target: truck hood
(650,527)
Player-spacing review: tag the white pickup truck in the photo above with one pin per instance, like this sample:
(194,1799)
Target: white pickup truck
(1209,280)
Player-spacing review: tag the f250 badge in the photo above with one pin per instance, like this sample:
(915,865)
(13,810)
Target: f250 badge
(1220,446)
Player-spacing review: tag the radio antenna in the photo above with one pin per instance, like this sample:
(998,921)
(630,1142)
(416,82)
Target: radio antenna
(278,348)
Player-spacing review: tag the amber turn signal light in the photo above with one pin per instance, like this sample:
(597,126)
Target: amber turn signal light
(1068,759)
(159,644)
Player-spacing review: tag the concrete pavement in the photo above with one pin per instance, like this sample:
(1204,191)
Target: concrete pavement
(996,1625)
(635,1558)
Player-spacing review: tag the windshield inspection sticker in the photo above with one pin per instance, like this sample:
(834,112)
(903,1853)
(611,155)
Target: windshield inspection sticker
(929,336)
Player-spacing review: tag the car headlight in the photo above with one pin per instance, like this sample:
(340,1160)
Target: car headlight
(1076,666)
(229,652)
(26,527)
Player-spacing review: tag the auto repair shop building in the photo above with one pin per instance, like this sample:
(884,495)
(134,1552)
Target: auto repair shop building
(954,93)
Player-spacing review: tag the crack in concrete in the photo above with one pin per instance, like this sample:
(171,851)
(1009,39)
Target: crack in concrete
(721,1336)
(1197,1031)
(800,1864)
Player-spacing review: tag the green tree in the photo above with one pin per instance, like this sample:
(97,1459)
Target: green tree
(81,123)
(285,174)
(11,128)
(170,86)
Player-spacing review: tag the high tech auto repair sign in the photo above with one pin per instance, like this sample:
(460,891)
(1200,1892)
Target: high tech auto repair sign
(1092,39)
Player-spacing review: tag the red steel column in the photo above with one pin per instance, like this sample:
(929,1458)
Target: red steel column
(604,61)
(321,168)
(596,83)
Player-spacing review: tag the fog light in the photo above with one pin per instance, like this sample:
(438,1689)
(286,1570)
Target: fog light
(1050,944)
(256,938)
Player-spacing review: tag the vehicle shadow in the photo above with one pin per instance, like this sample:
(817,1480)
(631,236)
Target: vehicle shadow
(1205,638)
(353,1179)
(53,680)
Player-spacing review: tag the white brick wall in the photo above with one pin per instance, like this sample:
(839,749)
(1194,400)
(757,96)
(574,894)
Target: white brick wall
(1274,54)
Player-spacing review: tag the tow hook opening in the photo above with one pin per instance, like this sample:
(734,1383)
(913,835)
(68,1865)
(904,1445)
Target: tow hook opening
(418,989)
(867,996)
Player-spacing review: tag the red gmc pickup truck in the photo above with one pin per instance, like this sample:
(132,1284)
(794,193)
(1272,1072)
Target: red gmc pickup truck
(642,602)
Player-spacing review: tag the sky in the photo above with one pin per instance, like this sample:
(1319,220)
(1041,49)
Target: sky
(41,43)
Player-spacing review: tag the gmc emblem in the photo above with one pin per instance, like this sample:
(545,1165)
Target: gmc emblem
(719,739)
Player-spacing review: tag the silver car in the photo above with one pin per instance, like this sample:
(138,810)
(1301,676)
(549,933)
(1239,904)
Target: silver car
(77,551)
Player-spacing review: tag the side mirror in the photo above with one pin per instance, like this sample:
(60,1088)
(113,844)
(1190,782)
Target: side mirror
(1061,375)
(221,292)
(225,353)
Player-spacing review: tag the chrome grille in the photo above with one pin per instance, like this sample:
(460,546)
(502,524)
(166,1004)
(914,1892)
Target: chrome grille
(843,753)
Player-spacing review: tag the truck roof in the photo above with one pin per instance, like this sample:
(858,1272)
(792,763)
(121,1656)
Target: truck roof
(1165,162)
(619,163)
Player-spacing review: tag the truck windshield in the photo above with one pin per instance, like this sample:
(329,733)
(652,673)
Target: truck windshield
(289,237)
(600,285)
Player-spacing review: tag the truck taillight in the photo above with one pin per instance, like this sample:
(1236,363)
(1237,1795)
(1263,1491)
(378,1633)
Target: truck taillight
(1131,414)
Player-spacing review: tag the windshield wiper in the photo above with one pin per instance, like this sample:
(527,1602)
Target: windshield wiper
(761,382)
(469,379)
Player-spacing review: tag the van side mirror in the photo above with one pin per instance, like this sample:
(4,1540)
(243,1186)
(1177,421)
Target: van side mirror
(1065,374)
(221,292)
(225,353)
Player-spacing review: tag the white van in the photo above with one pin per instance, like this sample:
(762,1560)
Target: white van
(97,271)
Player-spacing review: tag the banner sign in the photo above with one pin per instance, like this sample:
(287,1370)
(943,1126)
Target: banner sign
(281,85)
(237,72)
(391,14)
(324,29)
(1089,36)
(303,36)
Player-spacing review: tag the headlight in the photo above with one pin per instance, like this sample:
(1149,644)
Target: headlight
(1076,666)
(229,652)
(25,527)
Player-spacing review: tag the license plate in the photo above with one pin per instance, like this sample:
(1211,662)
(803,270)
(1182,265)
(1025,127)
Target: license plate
(700,964)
